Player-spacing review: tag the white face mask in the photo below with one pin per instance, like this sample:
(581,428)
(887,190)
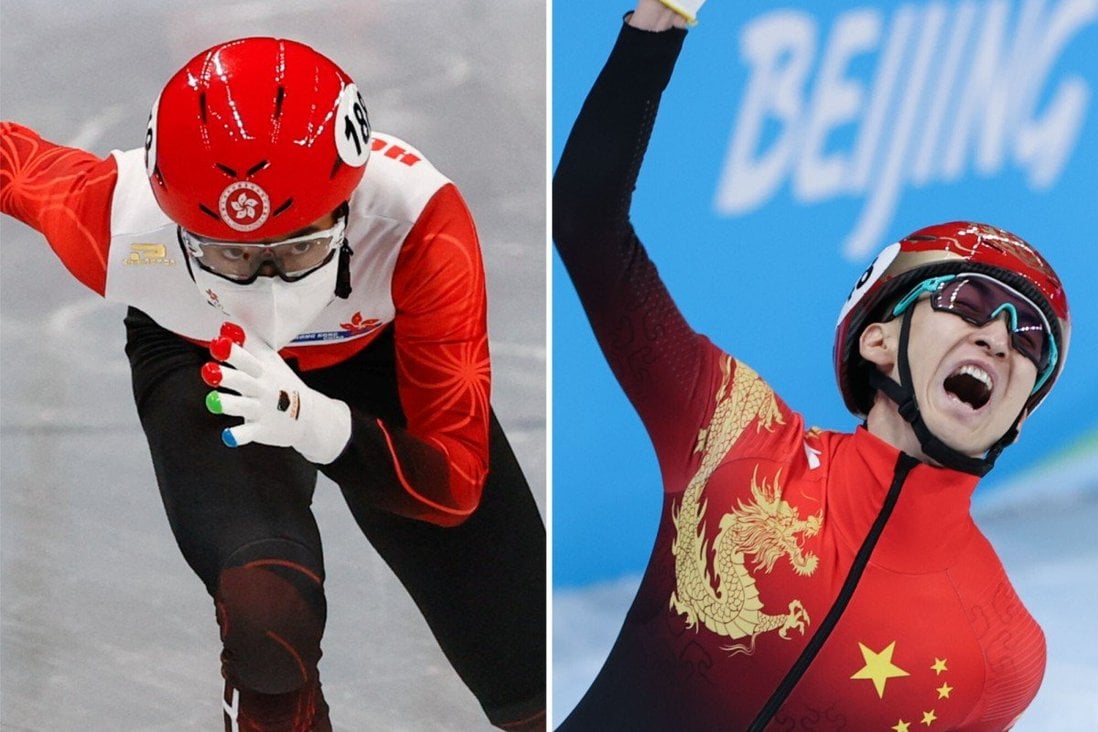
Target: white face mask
(271,308)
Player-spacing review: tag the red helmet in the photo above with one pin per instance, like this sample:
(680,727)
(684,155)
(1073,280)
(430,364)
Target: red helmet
(960,246)
(256,138)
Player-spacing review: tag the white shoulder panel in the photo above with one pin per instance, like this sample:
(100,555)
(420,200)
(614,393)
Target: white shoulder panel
(145,266)
(398,184)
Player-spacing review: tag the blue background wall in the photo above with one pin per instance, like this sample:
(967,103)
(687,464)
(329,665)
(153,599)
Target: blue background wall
(792,144)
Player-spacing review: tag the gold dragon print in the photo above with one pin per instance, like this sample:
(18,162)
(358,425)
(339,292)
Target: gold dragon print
(766,527)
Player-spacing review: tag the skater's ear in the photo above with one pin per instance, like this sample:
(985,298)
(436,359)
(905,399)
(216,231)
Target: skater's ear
(879,344)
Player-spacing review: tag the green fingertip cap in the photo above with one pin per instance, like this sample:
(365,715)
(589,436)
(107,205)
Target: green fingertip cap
(213,402)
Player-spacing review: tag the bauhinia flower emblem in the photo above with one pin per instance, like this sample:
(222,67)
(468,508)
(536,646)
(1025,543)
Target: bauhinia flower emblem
(244,206)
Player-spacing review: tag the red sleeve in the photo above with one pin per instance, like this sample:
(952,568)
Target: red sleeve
(65,194)
(433,467)
(443,369)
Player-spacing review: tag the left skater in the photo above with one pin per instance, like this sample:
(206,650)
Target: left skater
(288,266)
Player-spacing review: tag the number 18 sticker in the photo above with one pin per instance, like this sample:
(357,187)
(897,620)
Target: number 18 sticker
(352,129)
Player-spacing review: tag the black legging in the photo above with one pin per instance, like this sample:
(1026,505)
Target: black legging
(242,519)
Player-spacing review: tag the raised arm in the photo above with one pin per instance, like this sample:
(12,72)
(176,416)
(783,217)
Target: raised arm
(652,351)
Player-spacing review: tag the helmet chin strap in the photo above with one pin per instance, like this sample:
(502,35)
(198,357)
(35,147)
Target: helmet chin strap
(343,279)
(903,394)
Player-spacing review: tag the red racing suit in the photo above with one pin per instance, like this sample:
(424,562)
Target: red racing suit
(416,264)
(763,518)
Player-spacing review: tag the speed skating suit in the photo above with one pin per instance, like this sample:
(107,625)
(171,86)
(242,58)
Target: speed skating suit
(762,517)
(428,473)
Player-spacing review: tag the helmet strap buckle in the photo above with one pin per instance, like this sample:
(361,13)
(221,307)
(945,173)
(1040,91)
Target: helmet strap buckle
(343,278)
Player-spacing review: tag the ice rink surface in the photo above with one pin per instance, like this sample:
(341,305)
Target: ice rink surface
(103,625)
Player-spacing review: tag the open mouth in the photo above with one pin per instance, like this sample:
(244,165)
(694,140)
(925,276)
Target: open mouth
(970,384)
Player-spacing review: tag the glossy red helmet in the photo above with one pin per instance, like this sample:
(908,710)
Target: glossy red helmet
(960,246)
(256,138)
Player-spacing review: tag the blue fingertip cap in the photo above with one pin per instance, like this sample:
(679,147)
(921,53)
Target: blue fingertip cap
(227,437)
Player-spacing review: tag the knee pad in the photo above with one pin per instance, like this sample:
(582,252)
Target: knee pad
(271,609)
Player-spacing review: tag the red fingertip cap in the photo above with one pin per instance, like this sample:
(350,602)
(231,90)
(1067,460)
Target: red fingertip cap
(233,332)
(220,348)
(211,373)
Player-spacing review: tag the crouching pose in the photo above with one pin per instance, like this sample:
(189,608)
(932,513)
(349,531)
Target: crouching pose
(305,294)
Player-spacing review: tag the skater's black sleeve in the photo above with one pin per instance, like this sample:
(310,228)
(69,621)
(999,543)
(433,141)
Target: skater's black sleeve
(653,352)
(400,472)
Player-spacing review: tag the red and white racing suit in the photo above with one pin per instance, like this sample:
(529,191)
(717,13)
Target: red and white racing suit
(427,474)
(416,263)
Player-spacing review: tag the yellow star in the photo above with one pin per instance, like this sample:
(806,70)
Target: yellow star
(944,690)
(879,667)
(939,666)
(902,726)
(929,717)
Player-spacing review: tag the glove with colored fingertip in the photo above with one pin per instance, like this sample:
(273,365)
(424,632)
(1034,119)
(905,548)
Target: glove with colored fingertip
(277,407)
